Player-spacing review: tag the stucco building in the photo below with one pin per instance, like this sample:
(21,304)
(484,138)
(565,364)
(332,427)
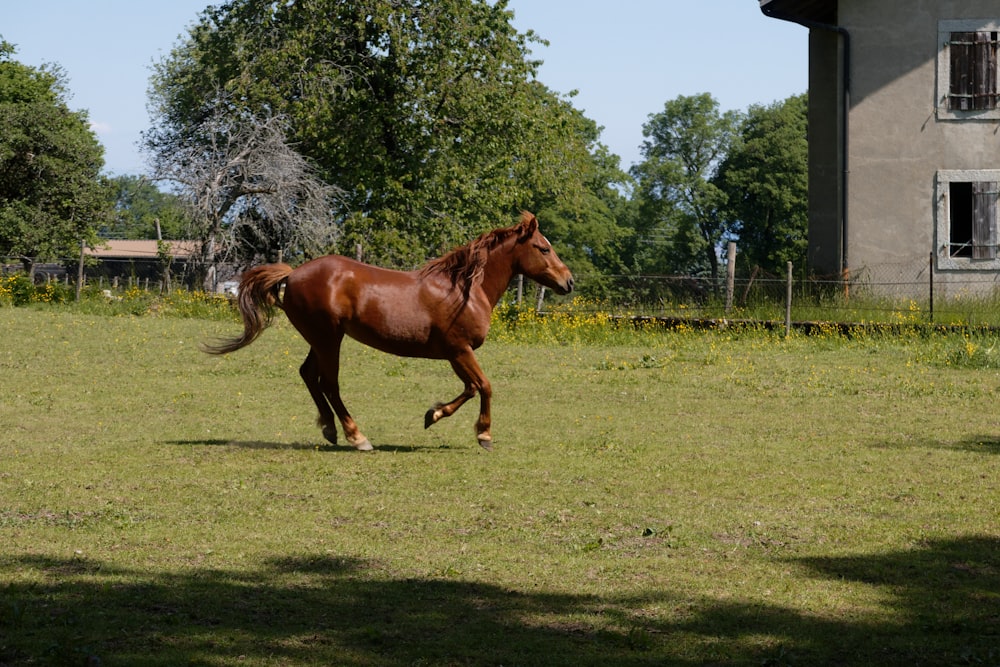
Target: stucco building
(904,138)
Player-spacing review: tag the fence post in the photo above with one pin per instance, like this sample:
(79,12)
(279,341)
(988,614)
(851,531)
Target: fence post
(730,274)
(788,303)
(931,274)
(79,269)
(520,288)
(541,298)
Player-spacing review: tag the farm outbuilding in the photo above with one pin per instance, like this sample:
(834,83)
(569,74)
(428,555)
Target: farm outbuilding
(140,259)
(904,132)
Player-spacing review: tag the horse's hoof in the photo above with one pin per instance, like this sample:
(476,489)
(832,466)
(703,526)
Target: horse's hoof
(330,433)
(486,442)
(363,446)
(432,416)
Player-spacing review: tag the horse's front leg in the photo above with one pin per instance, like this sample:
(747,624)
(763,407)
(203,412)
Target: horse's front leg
(467,368)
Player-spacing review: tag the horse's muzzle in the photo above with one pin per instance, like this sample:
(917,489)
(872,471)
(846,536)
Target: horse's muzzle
(566,286)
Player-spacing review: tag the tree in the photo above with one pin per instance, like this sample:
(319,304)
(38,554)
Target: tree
(252,196)
(428,116)
(51,192)
(138,207)
(589,226)
(765,178)
(679,204)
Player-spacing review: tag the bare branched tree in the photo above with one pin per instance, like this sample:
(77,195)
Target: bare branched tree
(253,196)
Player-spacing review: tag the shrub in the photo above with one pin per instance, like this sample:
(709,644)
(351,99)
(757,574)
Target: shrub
(17,290)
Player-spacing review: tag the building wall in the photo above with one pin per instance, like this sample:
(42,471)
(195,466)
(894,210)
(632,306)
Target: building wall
(825,146)
(898,143)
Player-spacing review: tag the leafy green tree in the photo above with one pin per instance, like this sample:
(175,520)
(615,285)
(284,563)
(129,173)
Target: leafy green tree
(765,178)
(51,193)
(138,206)
(427,116)
(679,205)
(589,227)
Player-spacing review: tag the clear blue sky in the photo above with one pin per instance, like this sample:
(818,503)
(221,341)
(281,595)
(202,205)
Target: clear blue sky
(625,57)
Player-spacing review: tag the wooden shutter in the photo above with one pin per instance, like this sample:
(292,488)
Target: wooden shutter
(985,93)
(962,49)
(973,75)
(984,220)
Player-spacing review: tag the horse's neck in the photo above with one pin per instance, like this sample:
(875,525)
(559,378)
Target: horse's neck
(498,273)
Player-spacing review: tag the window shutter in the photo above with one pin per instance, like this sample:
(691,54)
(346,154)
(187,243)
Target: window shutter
(962,80)
(973,75)
(984,220)
(985,71)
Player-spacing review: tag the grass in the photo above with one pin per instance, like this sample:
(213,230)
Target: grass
(656,498)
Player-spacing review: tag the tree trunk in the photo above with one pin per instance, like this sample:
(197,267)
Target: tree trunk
(713,262)
(29,267)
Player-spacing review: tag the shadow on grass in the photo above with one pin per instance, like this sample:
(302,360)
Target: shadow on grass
(989,444)
(319,447)
(980,444)
(942,606)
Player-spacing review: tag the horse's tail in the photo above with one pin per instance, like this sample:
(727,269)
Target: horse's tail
(258,295)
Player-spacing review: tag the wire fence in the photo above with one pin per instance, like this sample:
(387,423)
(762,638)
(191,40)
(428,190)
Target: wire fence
(891,293)
(897,293)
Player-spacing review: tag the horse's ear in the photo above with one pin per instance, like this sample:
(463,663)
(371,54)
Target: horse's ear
(528,225)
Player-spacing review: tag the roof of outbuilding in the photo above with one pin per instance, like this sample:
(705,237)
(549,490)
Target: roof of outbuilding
(142,249)
(819,11)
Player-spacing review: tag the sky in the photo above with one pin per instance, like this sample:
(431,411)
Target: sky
(625,58)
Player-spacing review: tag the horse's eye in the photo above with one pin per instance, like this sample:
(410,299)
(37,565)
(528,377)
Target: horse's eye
(545,251)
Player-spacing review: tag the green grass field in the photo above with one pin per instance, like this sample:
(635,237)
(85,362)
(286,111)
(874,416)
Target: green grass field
(679,498)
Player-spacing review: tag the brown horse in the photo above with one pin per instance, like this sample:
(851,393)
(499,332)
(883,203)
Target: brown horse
(441,311)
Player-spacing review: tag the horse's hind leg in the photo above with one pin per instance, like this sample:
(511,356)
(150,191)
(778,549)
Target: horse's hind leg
(467,369)
(311,375)
(328,363)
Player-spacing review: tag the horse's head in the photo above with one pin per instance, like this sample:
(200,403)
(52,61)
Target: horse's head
(536,258)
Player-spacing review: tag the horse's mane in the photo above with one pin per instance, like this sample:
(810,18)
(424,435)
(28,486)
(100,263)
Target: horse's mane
(464,265)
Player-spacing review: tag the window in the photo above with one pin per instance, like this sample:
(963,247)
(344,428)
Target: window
(968,219)
(967,69)
(972,215)
(973,64)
